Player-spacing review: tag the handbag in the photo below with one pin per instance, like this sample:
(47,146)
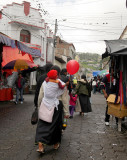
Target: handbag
(77,107)
(34,118)
(45,114)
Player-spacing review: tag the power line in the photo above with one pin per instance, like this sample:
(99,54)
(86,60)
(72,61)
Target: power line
(76,4)
(87,29)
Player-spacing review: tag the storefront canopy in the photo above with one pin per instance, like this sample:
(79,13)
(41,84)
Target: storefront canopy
(13,43)
(26,49)
(115,48)
(11,54)
(7,40)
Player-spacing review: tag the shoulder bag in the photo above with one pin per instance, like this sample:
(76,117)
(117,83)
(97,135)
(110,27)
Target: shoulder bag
(45,114)
(34,117)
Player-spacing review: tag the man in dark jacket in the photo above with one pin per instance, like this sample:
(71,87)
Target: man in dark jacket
(47,68)
(63,75)
(107,89)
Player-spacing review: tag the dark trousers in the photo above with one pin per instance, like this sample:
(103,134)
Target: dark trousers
(107,116)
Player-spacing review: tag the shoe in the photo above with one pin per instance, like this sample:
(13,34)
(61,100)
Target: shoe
(71,117)
(40,150)
(16,102)
(56,146)
(82,114)
(21,102)
(107,123)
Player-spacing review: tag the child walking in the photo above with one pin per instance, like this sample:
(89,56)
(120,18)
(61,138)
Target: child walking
(73,99)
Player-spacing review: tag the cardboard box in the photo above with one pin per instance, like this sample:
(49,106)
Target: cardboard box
(116,110)
(111,98)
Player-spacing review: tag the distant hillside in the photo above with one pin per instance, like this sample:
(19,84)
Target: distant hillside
(90,62)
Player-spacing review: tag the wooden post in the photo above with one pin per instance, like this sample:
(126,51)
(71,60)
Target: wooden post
(119,124)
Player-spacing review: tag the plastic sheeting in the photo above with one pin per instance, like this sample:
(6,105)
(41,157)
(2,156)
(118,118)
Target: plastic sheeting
(95,73)
(100,73)
(10,54)
(26,49)
(12,43)
(7,41)
(115,48)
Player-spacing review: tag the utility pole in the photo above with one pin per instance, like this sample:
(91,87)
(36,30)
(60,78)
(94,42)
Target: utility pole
(54,39)
(1,50)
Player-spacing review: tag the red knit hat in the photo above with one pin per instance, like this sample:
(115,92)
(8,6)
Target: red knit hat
(52,74)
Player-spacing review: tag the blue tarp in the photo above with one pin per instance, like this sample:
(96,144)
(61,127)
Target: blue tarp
(95,73)
(102,72)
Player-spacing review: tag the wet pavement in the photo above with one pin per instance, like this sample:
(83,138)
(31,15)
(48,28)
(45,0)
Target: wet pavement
(85,138)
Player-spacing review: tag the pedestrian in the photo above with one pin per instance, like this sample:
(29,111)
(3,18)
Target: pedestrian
(108,87)
(50,133)
(73,99)
(20,82)
(83,93)
(63,75)
(41,79)
(74,82)
(52,76)
(65,96)
(90,89)
(94,85)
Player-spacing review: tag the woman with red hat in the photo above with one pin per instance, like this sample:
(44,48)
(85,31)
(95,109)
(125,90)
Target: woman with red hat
(49,131)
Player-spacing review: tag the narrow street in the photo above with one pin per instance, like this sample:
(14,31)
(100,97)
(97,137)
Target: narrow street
(85,138)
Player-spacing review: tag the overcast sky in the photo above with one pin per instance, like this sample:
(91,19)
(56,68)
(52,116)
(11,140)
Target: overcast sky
(85,23)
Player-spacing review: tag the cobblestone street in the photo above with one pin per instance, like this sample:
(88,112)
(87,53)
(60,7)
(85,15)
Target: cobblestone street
(85,138)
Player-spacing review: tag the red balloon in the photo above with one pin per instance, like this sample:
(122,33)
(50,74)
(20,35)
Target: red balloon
(72,67)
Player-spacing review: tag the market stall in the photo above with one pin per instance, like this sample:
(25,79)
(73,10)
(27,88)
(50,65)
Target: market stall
(117,104)
(14,56)
(6,94)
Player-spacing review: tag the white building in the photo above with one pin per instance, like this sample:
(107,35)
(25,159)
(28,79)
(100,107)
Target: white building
(24,23)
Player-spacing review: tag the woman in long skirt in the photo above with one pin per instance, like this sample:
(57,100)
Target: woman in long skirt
(50,133)
(82,90)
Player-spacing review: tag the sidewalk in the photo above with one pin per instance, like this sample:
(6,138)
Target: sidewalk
(86,138)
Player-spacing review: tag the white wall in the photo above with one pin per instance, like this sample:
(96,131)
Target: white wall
(38,35)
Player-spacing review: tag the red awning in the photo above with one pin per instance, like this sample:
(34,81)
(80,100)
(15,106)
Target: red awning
(10,54)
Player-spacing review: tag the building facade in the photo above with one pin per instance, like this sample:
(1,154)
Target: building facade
(64,52)
(24,23)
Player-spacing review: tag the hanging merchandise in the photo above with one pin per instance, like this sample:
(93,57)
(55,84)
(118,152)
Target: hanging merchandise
(124,93)
(121,89)
(110,73)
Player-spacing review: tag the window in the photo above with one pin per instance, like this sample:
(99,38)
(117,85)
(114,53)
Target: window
(25,36)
